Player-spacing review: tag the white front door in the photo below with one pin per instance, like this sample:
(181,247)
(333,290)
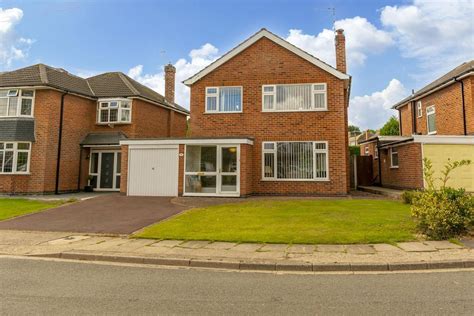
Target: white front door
(212,170)
(153,171)
(104,170)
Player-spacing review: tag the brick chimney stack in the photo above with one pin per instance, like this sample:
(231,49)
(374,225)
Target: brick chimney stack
(170,72)
(340,51)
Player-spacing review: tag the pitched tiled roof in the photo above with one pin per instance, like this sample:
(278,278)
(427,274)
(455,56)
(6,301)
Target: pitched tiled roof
(456,72)
(110,84)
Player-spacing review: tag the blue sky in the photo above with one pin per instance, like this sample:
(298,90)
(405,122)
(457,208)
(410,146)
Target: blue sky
(392,46)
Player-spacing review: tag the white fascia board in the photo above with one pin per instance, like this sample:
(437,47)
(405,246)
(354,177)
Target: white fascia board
(264,33)
(435,139)
(204,141)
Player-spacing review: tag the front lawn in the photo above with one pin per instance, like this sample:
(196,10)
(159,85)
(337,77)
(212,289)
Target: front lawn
(15,207)
(292,221)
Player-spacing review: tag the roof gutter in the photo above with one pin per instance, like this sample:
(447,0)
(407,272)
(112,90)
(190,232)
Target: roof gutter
(439,87)
(60,134)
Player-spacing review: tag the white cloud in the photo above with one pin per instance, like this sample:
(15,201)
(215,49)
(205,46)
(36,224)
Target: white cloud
(185,68)
(437,33)
(12,47)
(372,111)
(362,39)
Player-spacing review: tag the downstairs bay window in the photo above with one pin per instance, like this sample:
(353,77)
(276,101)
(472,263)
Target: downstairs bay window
(14,157)
(114,111)
(294,97)
(295,161)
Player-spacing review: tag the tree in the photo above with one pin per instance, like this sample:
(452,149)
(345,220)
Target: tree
(354,130)
(390,128)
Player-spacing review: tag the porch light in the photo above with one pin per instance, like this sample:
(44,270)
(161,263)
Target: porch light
(232,149)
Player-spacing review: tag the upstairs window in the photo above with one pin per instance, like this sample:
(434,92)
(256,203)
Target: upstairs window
(14,157)
(114,111)
(294,97)
(419,109)
(16,102)
(431,119)
(223,99)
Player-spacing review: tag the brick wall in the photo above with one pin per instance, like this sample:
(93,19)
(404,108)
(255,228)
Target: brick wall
(409,174)
(124,171)
(448,105)
(267,63)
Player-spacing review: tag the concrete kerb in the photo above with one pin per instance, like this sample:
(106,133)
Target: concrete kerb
(270,266)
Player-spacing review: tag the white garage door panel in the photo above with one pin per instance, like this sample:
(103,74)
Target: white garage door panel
(153,172)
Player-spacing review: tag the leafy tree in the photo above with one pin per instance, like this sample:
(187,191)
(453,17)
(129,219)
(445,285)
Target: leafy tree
(390,128)
(354,130)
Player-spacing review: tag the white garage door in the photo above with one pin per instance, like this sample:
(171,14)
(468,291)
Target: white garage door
(153,172)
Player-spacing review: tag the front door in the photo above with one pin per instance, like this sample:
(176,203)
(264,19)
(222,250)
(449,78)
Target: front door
(104,170)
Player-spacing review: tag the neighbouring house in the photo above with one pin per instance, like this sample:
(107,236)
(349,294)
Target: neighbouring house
(266,118)
(60,132)
(436,122)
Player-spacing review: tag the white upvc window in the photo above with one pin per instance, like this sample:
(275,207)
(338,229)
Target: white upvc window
(15,157)
(223,99)
(114,111)
(295,161)
(366,150)
(294,97)
(376,153)
(419,109)
(16,102)
(393,157)
(431,119)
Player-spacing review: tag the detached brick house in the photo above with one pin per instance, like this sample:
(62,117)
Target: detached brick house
(266,118)
(59,132)
(436,122)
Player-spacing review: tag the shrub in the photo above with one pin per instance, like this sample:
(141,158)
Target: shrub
(408,196)
(354,150)
(443,213)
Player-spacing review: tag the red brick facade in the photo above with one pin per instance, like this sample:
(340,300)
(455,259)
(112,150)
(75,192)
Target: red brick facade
(79,119)
(265,62)
(409,174)
(449,111)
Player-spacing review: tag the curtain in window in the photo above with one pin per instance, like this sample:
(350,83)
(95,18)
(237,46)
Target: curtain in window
(295,160)
(293,97)
(230,99)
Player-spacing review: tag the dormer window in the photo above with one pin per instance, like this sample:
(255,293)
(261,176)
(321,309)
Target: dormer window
(294,97)
(114,111)
(16,102)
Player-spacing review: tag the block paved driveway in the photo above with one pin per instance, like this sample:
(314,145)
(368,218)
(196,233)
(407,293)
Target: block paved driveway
(109,214)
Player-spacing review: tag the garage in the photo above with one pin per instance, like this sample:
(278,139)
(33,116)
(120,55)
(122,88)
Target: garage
(153,171)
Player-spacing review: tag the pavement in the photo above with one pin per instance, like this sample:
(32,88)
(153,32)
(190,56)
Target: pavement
(52,287)
(238,256)
(106,214)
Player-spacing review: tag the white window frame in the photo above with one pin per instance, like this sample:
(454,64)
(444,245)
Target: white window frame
(313,92)
(376,153)
(391,158)
(419,109)
(430,110)
(275,163)
(366,150)
(216,95)
(19,95)
(119,110)
(218,173)
(15,157)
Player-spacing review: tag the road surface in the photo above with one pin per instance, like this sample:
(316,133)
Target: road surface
(33,286)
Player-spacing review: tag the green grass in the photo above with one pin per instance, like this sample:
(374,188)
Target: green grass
(16,207)
(292,221)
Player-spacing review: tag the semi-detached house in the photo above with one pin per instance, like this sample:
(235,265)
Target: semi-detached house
(60,132)
(266,118)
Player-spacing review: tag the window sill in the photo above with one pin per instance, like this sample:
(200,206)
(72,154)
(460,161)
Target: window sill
(15,174)
(17,117)
(295,180)
(114,123)
(395,167)
(432,133)
(290,111)
(233,112)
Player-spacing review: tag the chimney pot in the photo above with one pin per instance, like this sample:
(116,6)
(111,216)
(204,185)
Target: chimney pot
(170,73)
(340,40)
